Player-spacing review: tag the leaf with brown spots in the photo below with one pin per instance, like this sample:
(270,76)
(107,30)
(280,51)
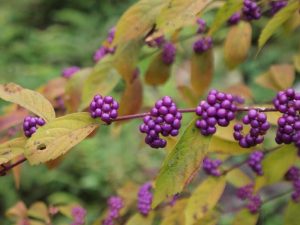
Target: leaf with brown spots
(58,136)
(12,149)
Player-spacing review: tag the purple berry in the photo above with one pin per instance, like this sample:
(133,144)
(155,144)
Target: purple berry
(254,204)
(296,192)
(251,11)
(115,204)
(234,19)
(201,26)
(30,125)
(277,6)
(168,53)
(203,45)
(211,167)
(254,162)
(78,214)
(245,192)
(293,174)
(70,71)
(157,42)
(145,199)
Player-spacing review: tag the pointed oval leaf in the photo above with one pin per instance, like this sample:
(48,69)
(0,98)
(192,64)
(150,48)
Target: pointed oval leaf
(204,199)
(237,44)
(245,217)
(276,164)
(39,210)
(202,70)
(277,20)
(158,72)
(283,75)
(31,100)
(139,219)
(12,149)
(19,210)
(291,213)
(58,136)
(181,164)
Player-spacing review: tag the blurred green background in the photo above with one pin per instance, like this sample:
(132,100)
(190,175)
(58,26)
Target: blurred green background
(38,38)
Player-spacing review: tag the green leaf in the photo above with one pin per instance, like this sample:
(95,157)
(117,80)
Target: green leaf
(137,21)
(139,219)
(202,70)
(31,100)
(39,210)
(178,13)
(237,44)
(276,164)
(58,136)
(224,13)
(102,80)
(223,146)
(291,213)
(181,164)
(158,72)
(12,149)
(204,199)
(277,20)
(238,178)
(245,217)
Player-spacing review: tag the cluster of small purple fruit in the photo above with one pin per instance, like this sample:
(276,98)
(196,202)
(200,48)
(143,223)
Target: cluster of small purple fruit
(202,45)
(105,108)
(254,162)
(293,175)
(168,53)
(78,214)
(259,126)
(70,71)
(251,10)
(202,27)
(164,119)
(211,167)
(219,108)
(115,204)
(145,197)
(253,201)
(104,49)
(277,6)
(288,131)
(31,123)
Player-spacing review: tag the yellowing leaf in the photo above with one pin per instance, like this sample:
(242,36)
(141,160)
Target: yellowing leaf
(188,95)
(204,198)
(66,210)
(19,210)
(158,72)
(266,81)
(283,75)
(211,218)
(139,219)
(181,164)
(237,44)
(54,88)
(297,62)
(39,210)
(178,13)
(276,21)
(173,215)
(202,69)
(238,178)
(291,214)
(245,217)
(137,21)
(12,149)
(31,100)
(223,14)
(240,89)
(223,146)
(58,136)
(276,164)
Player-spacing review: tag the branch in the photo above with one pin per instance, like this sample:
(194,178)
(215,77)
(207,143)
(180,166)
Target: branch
(7,168)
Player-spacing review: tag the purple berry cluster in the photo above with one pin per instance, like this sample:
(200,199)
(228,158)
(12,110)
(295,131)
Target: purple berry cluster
(115,204)
(201,26)
(70,71)
(203,45)
(253,201)
(105,108)
(105,49)
(293,175)
(164,119)
(168,53)
(259,126)
(145,197)
(78,214)
(251,10)
(276,6)
(211,167)
(31,123)
(235,18)
(218,109)
(254,162)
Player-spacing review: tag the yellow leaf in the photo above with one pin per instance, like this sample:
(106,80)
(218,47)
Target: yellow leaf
(291,214)
(181,164)
(19,210)
(266,80)
(204,198)
(158,72)
(211,218)
(238,178)
(12,149)
(31,100)
(223,146)
(58,136)
(244,217)
(283,75)
(173,215)
(297,62)
(138,219)
(202,70)
(66,210)
(275,165)
(188,95)
(237,44)
(39,210)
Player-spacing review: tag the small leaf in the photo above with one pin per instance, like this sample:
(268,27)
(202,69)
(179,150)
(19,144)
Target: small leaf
(224,13)
(19,210)
(12,149)
(39,210)
(31,100)
(276,21)
(158,72)
(202,70)
(58,136)
(238,178)
(237,44)
(181,164)
(276,164)
(66,210)
(173,215)
(245,217)
(141,220)
(178,13)
(204,199)
(223,146)
(283,75)
(291,213)
(137,21)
